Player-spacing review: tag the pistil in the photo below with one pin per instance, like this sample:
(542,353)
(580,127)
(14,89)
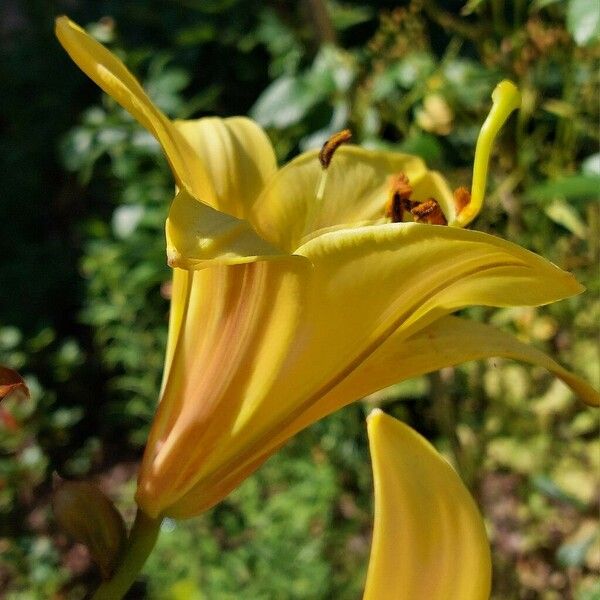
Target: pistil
(506,98)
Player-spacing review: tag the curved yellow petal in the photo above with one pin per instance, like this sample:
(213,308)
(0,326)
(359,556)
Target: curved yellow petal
(238,157)
(235,330)
(446,342)
(398,273)
(199,236)
(393,280)
(110,74)
(356,190)
(429,540)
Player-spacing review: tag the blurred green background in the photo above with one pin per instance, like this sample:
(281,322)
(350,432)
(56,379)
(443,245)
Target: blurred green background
(83,312)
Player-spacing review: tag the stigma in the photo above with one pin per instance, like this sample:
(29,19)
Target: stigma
(505,99)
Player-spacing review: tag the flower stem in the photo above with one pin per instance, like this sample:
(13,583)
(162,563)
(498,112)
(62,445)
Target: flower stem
(142,539)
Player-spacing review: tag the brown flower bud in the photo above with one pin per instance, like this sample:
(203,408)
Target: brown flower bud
(89,517)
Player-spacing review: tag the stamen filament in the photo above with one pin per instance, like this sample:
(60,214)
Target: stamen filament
(506,98)
(321,188)
(325,158)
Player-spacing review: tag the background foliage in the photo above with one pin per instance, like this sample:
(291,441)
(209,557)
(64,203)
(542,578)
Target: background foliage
(83,314)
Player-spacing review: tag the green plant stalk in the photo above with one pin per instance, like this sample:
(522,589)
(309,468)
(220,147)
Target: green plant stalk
(142,539)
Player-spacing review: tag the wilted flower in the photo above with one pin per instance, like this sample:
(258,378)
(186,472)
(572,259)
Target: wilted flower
(296,291)
(89,517)
(12,385)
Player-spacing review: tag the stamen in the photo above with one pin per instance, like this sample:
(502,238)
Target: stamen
(326,155)
(398,198)
(331,145)
(399,202)
(429,212)
(506,98)
(462,197)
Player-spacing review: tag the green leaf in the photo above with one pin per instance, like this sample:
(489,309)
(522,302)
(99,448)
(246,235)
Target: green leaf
(539,4)
(283,103)
(424,145)
(344,16)
(591,164)
(546,486)
(573,555)
(470,7)
(564,214)
(583,21)
(572,187)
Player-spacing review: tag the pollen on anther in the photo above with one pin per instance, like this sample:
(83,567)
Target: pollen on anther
(331,145)
(462,197)
(429,212)
(398,201)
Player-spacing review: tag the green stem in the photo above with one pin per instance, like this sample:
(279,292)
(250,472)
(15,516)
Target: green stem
(142,539)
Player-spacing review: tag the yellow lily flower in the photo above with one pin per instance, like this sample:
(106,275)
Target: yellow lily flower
(429,540)
(294,294)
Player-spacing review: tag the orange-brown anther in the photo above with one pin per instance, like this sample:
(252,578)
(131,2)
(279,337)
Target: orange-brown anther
(398,198)
(462,197)
(429,212)
(331,145)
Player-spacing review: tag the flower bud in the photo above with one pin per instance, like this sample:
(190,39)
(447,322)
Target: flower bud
(88,516)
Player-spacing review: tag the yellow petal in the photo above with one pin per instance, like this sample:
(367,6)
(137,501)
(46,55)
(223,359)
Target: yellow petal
(371,283)
(179,292)
(373,278)
(235,332)
(237,156)
(356,190)
(446,342)
(289,333)
(429,540)
(109,73)
(199,236)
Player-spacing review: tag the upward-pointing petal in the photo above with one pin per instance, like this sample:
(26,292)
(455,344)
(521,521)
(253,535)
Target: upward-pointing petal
(109,73)
(429,541)
(238,157)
